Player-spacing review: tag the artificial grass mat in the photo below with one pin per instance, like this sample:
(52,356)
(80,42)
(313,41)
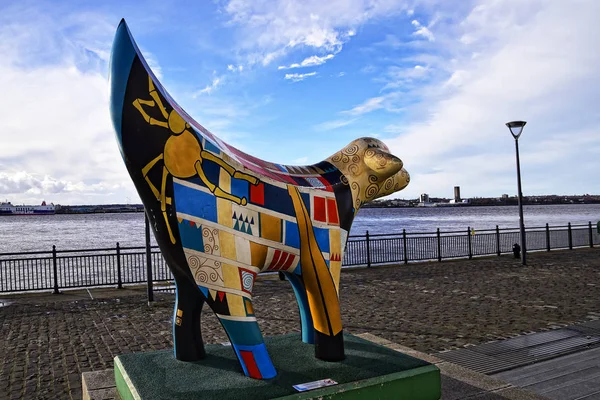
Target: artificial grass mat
(158,375)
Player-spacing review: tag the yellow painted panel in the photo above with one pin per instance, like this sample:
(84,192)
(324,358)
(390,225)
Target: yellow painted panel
(236,305)
(270,227)
(335,252)
(249,308)
(224,212)
(231,277)
(225,180)
(258,254)
(227,242)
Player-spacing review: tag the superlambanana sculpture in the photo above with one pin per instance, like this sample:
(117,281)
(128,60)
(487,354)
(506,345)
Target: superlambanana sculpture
(221,216)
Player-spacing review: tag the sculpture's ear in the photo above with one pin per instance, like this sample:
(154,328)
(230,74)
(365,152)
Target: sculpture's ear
(382,163)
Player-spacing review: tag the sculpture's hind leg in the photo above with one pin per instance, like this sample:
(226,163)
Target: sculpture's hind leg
(187,337)
(306,319)
(244,334)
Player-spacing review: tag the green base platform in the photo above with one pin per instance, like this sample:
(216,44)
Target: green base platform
(369,371)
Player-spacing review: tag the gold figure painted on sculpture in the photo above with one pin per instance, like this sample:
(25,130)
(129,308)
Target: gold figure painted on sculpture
(182,156)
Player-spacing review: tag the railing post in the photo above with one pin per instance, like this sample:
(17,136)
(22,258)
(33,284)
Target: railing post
(148,261)
(570,237)
(547,237)
(368,250)
(470,244)
(498,240)
(591,235)
(404,243)
(119,279)
(439,245)
(55,269)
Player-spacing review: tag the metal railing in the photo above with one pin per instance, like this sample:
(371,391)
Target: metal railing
(118,266)
(64,269)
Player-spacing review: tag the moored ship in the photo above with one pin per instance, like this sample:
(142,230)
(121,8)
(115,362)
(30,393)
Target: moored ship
(7,208)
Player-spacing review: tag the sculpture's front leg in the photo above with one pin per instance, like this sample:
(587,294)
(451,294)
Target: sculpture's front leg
(187,337)
(245,336)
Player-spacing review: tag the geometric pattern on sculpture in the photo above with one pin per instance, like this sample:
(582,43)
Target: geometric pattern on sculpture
(221,216)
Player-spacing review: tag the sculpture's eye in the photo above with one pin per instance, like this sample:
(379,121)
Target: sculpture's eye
(382,162)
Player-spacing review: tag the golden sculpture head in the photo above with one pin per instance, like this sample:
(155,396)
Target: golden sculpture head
(370,169)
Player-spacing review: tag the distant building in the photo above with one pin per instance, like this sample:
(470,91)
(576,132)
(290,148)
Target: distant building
(424,198)
(457,194)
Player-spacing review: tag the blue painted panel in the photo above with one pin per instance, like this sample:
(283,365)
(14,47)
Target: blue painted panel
(261,358)
(278,199)
(245,333)
(306,200)
(212,171)
(292,236)
(240,188)
(191,236)
(195,202)
(204,291)
(208,146)
(322,237)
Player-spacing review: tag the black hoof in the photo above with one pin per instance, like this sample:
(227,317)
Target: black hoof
(329,348)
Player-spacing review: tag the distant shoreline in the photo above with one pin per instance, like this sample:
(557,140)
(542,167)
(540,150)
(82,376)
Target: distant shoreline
(138,208)
(392,203)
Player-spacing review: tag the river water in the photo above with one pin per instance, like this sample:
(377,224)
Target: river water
(33,233)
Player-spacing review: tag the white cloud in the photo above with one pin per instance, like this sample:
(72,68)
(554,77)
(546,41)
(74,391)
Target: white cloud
(372,104)
(422,31)
(309,62)
(335,124)
(57,140)
(216,82)
(532,64)
(273,27)
(299,77)
(235,68)
(402,77)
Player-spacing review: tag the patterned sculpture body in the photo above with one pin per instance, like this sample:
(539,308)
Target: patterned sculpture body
(221,216)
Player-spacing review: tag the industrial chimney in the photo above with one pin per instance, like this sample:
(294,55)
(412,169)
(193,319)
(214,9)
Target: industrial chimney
(457,194)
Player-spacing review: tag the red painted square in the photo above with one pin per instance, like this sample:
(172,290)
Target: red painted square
(250,362)
(319,209)
(332,212)
(257,194)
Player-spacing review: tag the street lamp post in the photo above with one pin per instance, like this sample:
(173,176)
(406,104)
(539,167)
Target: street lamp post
(516,128)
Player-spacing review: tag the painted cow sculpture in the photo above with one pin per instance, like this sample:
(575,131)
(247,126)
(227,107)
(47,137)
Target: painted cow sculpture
(221,216)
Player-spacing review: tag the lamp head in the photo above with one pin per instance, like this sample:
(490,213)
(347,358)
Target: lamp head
(516,128)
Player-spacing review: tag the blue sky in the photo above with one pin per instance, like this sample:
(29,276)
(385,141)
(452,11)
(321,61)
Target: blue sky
(293,82)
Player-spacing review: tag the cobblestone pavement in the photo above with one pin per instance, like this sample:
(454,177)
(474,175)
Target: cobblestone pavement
(47,342)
